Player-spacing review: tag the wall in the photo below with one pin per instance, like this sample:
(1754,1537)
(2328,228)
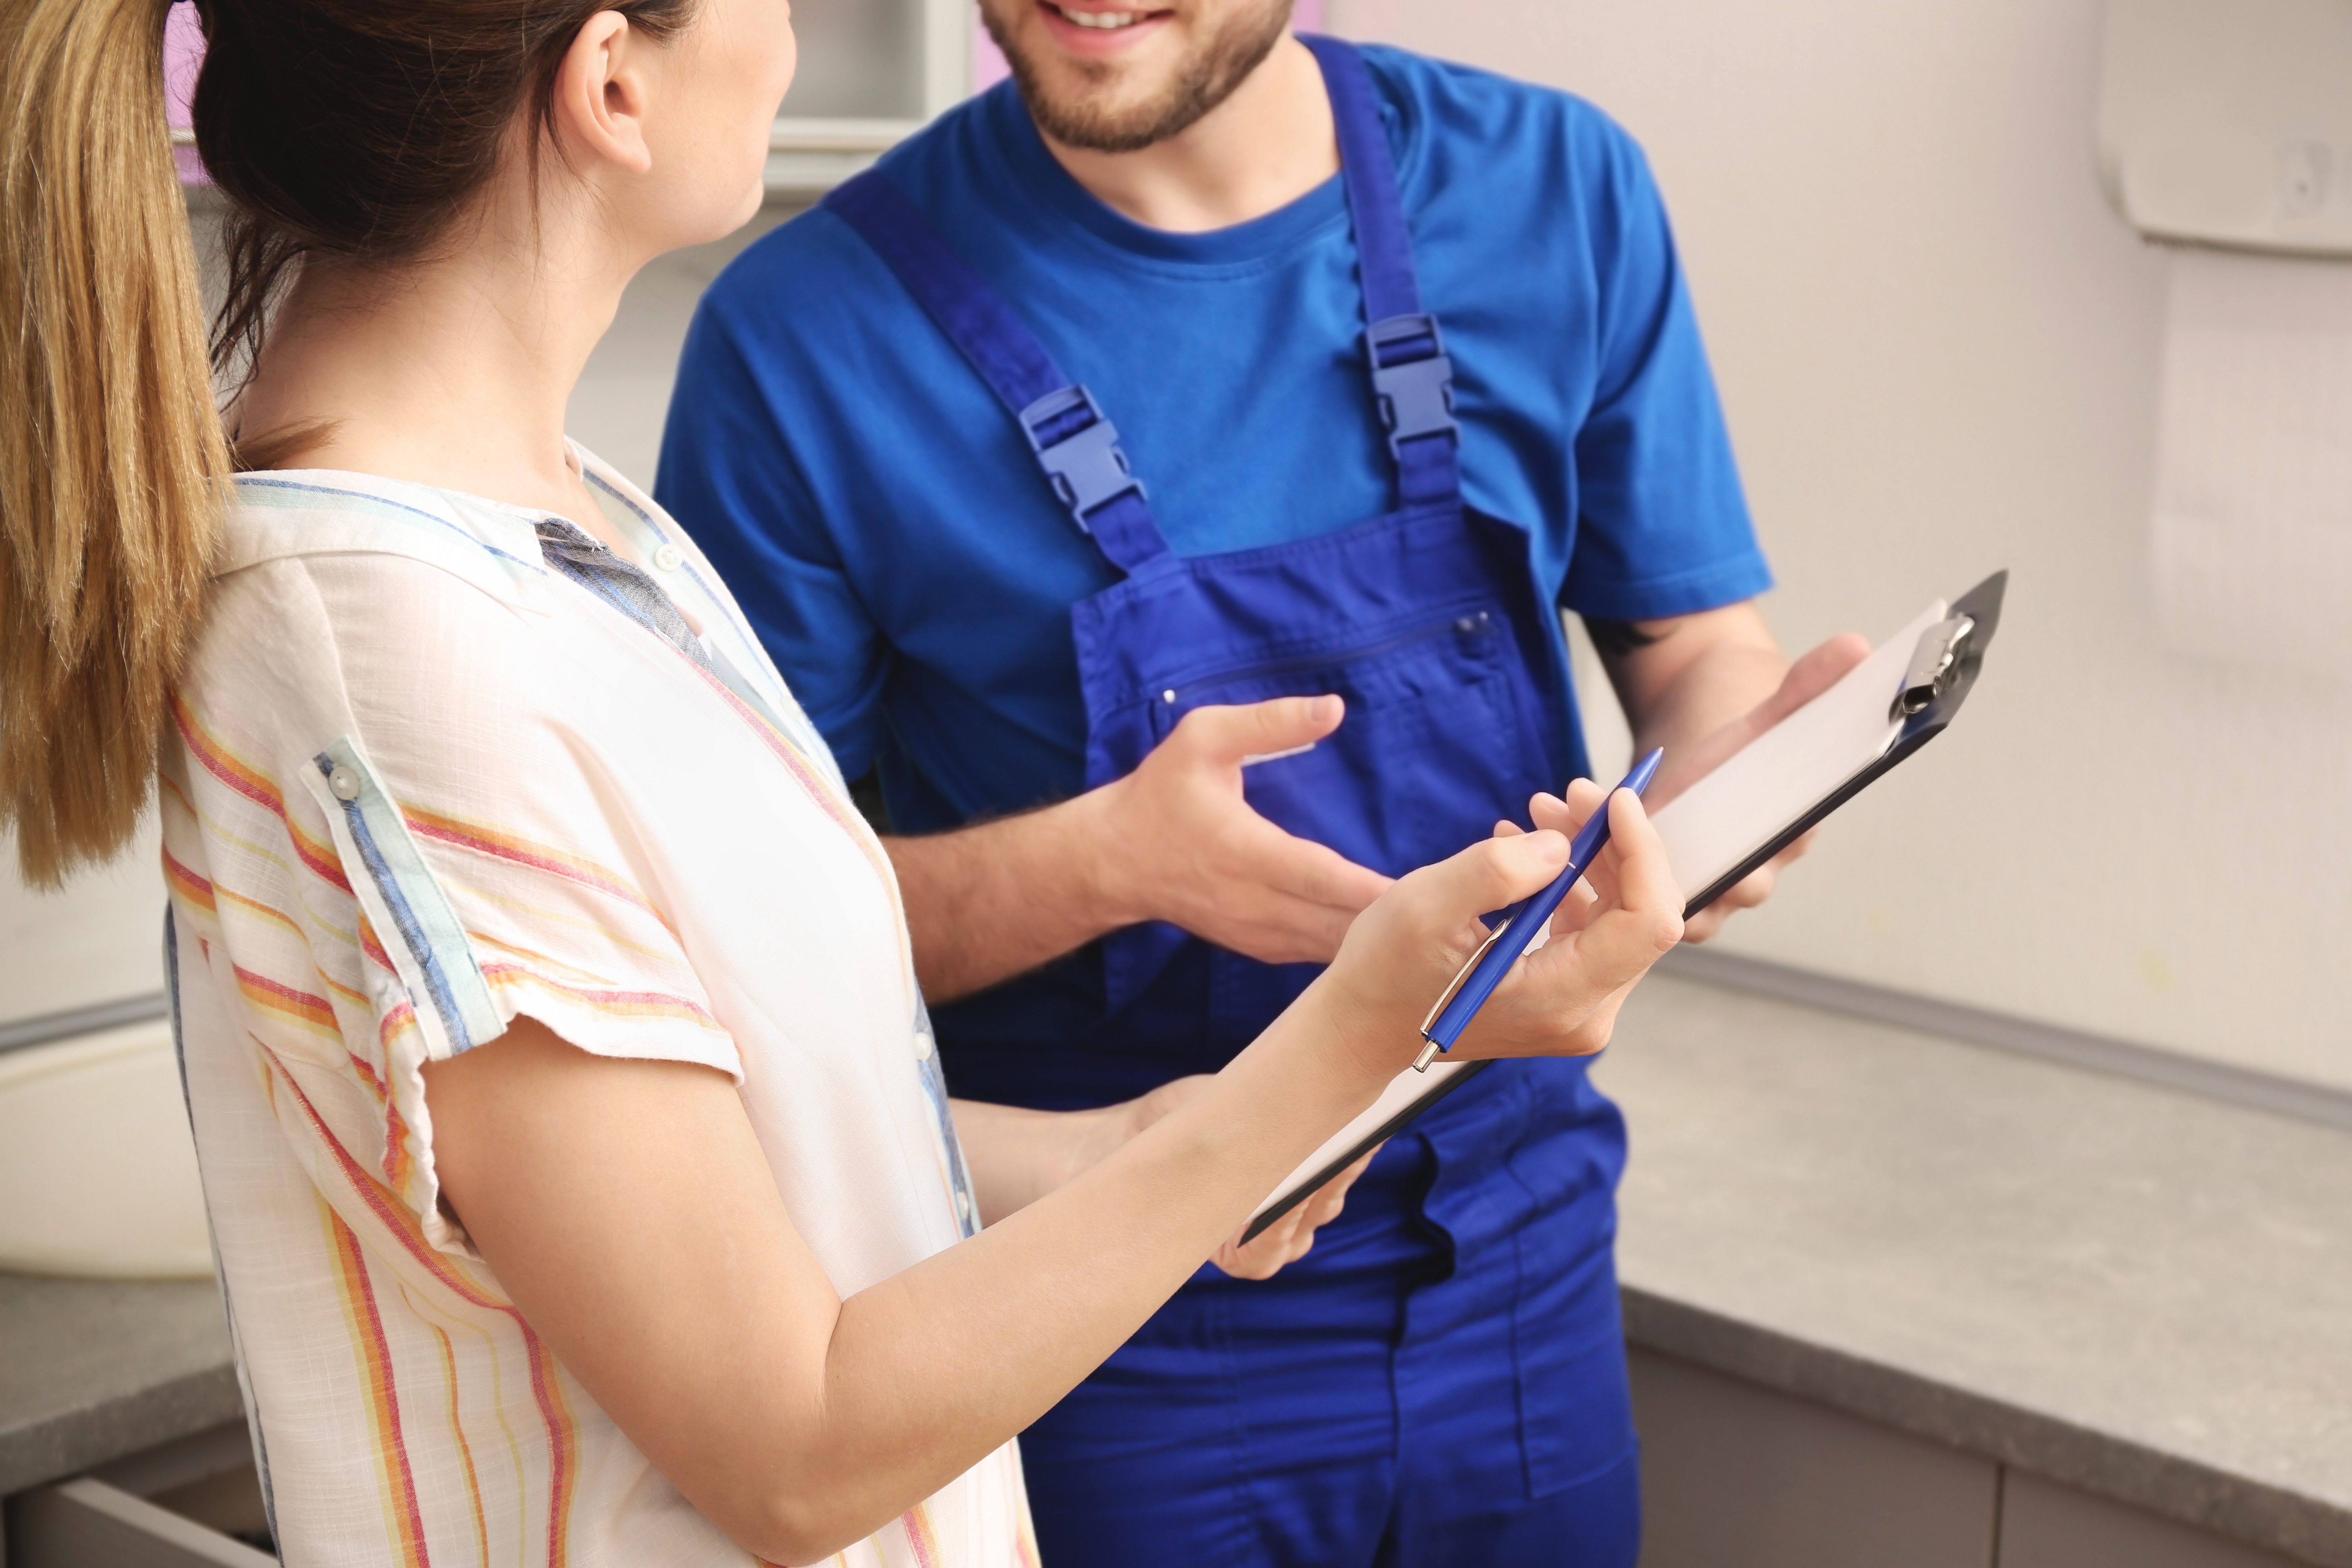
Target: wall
(99,940)
(1939,351)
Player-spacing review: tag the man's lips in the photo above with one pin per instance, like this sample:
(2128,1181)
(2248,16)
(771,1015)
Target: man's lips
(1097,27)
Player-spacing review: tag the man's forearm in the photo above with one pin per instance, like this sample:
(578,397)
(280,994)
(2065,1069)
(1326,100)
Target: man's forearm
(1682,679)
(988,902)
(1718,687)
(1705,686)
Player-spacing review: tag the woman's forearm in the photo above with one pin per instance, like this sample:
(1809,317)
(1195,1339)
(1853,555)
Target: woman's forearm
(629,1213)
(928,1371)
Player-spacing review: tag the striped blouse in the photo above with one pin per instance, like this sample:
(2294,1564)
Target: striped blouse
(436,762)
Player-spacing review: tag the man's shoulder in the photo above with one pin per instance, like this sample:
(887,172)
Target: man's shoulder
(1476,118)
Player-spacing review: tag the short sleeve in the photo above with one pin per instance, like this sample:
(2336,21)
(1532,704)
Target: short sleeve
(1664,528)
(727,473)
(397,853)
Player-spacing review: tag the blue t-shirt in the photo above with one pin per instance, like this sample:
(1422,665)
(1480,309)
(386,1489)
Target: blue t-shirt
(890,537)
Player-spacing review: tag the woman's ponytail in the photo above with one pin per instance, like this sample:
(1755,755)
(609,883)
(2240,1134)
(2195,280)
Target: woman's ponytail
(112,462)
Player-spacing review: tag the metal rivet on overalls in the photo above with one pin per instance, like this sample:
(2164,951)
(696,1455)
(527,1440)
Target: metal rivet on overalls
(922,1044)
(345,783)
(668,558)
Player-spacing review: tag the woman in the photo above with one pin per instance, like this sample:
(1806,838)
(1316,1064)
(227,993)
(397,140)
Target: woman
(584,1181)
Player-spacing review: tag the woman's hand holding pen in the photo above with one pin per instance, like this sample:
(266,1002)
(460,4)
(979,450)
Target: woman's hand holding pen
(1517,1020)
(1563,997)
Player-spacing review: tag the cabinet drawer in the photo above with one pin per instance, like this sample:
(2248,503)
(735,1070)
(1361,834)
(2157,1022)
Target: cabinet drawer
(87,1522)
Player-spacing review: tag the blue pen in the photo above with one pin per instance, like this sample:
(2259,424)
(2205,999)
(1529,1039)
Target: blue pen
(1520,922)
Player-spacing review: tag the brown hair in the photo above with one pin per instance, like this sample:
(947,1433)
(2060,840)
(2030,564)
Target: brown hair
(344,131)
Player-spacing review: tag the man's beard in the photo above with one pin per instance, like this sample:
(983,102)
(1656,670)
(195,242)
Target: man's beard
(1205,82)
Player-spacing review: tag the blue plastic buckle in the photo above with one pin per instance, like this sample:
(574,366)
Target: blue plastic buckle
(1079,451)
(1412,378)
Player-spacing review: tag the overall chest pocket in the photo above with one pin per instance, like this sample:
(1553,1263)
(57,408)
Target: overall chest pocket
(1441,737)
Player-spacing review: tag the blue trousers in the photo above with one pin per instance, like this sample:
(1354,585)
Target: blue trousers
(1393,1399)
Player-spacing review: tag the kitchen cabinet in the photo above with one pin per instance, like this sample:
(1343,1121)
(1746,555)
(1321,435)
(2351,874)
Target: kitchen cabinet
(1736,1475)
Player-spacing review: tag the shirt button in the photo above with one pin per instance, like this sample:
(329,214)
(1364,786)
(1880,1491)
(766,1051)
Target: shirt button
(668,558)
(344,784)
(922,1044)
(963,1203)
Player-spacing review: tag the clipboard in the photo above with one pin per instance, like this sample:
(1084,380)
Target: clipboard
(1757,803)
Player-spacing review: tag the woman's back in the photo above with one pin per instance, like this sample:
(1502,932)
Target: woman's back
(432,765)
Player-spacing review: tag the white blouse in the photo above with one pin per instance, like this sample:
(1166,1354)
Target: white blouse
(437,762)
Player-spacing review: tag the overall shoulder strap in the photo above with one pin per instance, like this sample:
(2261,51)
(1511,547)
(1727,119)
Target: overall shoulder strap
(1076,446)
(1412,377)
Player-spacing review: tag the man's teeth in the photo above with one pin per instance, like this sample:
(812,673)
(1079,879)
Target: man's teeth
(1107,21)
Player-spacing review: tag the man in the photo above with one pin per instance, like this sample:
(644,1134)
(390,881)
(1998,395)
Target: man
(1371,433)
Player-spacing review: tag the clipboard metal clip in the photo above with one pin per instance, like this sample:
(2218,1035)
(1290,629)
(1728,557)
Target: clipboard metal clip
(1933,661)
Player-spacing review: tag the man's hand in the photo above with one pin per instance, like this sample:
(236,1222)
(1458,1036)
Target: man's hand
(1703,686)
(1184,845)
(1175,840)
(1807,679)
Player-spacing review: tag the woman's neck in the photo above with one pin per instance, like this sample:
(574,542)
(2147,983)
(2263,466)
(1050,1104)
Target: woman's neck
(453,371)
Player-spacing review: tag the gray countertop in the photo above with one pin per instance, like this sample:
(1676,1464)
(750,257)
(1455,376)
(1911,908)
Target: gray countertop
(2139,1293)
(91,1370)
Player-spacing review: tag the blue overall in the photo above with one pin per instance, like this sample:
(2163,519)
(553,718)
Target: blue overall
(1442,1379)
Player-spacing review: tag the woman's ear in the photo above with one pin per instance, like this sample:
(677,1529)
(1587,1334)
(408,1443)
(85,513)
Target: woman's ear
(602,93)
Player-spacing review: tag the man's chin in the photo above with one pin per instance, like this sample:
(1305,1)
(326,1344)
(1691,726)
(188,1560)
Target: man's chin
(1120,120)
(1127,99)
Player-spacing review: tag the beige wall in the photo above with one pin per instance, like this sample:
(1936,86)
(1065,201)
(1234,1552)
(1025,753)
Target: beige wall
(1939,349)
(1940,352)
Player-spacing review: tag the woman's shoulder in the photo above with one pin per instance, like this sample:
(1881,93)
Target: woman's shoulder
(345,606)
(366,524)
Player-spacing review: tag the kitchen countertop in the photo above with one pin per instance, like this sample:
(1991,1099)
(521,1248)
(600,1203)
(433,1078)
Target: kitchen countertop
(94,1369)
(2139,1293)
(2133,1290)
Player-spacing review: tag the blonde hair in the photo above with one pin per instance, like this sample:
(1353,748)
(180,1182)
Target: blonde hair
(339,132)
(112,461)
